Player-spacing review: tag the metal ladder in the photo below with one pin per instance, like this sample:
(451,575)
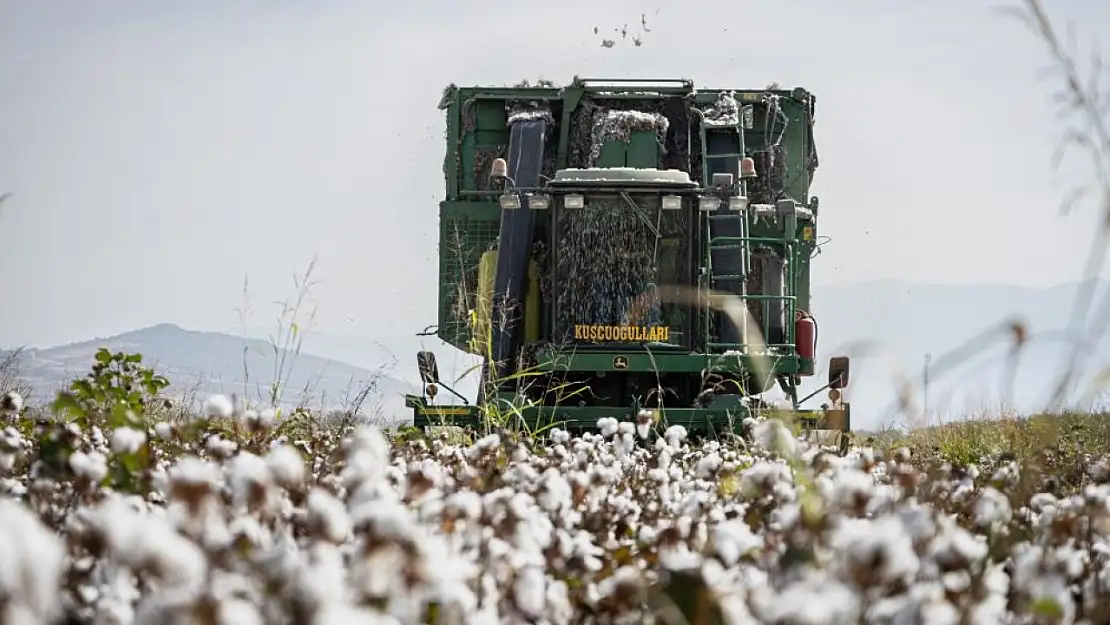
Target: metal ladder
(726,233)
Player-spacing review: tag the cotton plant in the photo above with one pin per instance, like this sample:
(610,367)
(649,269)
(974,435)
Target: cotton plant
(626,523)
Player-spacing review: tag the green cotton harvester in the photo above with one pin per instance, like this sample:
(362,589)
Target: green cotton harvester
(629,249)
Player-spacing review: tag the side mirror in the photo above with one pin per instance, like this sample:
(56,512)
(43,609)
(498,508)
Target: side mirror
(838,372)
(429,370)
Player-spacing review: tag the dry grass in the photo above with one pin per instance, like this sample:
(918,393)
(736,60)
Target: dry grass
(1060,445)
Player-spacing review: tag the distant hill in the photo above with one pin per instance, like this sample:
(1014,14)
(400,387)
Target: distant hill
(213,362)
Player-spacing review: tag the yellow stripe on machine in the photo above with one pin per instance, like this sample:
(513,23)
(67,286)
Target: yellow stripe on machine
(433,410)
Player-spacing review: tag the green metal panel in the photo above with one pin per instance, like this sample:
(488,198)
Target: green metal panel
(491,115)
(612,154)
(637,361)
(642,150)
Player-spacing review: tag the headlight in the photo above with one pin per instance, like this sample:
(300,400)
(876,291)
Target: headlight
(510,201)
(709,203)
(574,201)
(738,203)
(538,202)
(672,202)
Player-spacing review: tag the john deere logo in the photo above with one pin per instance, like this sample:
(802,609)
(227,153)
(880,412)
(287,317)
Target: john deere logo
(620,362)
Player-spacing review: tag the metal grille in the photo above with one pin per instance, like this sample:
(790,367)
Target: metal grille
(612,258)
(463,240)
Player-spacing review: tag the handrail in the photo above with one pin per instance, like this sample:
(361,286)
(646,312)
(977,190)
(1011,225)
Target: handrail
(790,301)
(728,239)
(684,84)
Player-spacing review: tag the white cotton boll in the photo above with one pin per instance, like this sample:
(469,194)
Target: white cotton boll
(286,465)
(32,558)
(328,516)
(238,612)
(772,435)
(559,608)
(266,417)
(623,444)
(733,540)
(369,454)
(127,440)
(675,435)
(992,508)
(247,472)
(529,591)
(334,613)
(853,487)
(140,541)
(92,466)
(815,599)
(863,543)
(218,407)
(163,430)
(707,466)
(955,547)
(555,491)
(10,439)
(608,426)
(192,471)
(11,403)
(219,446)
(644,420)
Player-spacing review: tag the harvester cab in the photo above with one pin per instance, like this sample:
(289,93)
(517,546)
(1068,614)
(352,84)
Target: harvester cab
(634,252)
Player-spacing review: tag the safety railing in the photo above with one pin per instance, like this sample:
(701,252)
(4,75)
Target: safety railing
(788,300)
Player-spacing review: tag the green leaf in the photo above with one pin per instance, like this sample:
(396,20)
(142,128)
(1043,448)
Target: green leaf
(692,598)
(66,403)
(1048,607)
(103,356)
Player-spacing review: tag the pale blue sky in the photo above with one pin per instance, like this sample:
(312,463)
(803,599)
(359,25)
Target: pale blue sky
(160,151)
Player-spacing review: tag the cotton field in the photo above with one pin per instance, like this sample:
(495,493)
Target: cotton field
(226,520)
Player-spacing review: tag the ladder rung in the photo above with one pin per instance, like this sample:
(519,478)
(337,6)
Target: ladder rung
(728,276)
(728,246)
(730,216)
(710,157)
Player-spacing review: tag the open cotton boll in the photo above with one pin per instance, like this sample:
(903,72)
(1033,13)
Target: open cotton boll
(126,440)
(11,403)
(218,407)
(149,543)
(31,565)
(92,466)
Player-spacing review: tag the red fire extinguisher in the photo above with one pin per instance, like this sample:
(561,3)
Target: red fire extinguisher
(805,335)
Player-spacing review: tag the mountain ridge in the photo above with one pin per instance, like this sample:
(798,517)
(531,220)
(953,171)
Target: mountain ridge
(207,362)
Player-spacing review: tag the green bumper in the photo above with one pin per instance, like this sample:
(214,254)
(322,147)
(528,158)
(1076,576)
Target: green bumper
(665,361)
(705,421)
